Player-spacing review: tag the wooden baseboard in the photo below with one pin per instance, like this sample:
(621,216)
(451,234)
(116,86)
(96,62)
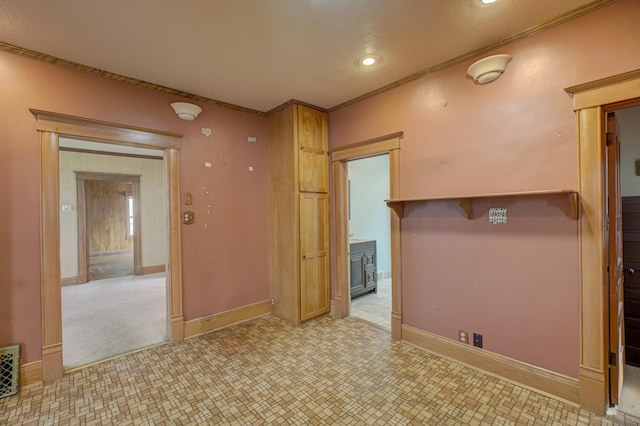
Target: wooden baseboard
(146,270)
(593,390)
(521,373)
(69,281)
(213,322)
(31,373)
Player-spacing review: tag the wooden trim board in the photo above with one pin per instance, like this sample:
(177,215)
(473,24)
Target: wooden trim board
(154,269)
(521,373)
(30,373)
(68,281)
(199,326)
(590,102)
(341,302)
(50,126)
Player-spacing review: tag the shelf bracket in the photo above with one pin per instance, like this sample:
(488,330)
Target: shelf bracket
(574,201)
(467,207)
(398,207)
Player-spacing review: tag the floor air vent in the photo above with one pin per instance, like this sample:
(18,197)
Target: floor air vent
(9,370)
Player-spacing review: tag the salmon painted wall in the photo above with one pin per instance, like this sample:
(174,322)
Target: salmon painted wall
(225,258)
(517,284)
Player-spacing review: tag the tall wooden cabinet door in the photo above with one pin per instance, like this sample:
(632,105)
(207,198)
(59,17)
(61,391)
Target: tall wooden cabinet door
(313,143)
(314,255)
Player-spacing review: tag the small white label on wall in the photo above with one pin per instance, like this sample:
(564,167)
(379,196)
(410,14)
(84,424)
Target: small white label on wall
(497,215)
(66,207)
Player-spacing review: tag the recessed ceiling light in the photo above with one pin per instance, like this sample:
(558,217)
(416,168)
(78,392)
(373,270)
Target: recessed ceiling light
(369,60)
(488,1)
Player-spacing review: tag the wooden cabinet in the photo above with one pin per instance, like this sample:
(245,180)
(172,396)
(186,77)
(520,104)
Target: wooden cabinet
(298,213)
(363,278)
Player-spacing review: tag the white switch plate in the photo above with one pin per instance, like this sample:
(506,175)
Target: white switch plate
(497,215)
(66,207)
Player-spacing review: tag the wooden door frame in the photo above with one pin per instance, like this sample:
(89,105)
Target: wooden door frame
(83,235)
(51,126)
(389,144)
(591,100)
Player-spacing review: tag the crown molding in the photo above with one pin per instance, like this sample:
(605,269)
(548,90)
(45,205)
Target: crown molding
(576,13)
(32,54)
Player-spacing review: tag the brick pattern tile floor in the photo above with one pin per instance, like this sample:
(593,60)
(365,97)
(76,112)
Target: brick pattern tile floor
(327,371)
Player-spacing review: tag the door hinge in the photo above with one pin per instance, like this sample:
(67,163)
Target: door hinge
(613,359)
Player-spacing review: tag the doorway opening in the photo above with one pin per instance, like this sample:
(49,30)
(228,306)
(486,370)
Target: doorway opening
(627,122)
(109,213)
(110,234)
(340,158)
(116,303)
(51,127)
(369,240)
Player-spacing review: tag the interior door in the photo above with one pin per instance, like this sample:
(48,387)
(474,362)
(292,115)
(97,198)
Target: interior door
(615,267)
(314,254)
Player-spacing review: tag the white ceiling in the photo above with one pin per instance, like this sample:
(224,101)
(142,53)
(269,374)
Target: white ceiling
(261,53)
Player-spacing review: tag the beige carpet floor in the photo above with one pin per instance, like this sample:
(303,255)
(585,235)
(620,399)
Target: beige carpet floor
(105,318)
(112,265)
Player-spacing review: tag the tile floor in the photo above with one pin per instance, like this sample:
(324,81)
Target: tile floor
(630,398)
(375,307)
(327,371)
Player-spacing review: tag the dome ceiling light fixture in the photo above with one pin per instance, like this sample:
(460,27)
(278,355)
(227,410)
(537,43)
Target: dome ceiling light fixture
(369,60)
(186,111)
(484,3)
(488,69)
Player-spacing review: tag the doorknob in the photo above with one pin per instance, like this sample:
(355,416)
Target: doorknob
(629,271)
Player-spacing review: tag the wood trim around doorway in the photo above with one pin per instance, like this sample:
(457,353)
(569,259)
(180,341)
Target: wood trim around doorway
(341,303)
(83,237)
(590,102)
(50,127)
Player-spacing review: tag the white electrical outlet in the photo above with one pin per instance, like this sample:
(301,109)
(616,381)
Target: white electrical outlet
(497,215)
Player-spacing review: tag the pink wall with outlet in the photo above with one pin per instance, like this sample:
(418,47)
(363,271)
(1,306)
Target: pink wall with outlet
(515,283)
(224,253)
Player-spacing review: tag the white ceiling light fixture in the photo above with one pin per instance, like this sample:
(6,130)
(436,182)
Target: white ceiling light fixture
(186,111)
(483,3)
(488,69)
(369,60)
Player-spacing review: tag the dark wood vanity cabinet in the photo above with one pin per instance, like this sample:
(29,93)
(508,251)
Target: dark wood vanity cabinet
(363,266)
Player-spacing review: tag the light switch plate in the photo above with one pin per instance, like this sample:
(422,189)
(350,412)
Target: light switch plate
(497,215)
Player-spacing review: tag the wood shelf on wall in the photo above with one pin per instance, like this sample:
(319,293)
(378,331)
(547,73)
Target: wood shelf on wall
(465,202)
